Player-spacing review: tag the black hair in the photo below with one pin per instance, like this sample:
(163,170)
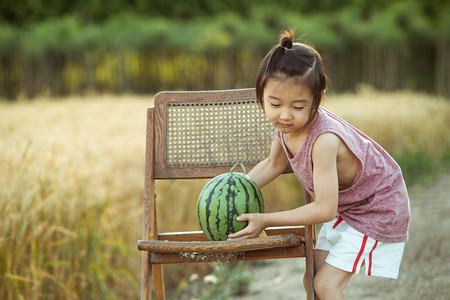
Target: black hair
(293,61)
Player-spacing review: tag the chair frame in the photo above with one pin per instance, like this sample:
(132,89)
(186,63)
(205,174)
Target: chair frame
(165,248)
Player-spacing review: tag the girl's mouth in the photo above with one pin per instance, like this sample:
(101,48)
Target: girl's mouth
(284,125)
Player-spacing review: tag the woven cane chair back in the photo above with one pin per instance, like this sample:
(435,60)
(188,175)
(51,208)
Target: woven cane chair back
(203,138)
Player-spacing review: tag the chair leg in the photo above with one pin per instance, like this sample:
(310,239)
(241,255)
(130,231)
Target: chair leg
(309,249)
(159,282)
(146,277)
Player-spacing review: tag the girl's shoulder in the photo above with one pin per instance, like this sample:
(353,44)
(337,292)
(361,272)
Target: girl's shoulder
(326,146)
(327,140)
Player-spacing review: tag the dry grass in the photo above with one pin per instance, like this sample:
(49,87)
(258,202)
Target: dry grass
(71,186)
(412,127)
(398,121)
(70,196)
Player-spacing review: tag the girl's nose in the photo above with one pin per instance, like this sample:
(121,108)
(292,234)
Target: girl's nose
(285,115)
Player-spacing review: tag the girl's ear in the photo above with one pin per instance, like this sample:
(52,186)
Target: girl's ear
(323,94)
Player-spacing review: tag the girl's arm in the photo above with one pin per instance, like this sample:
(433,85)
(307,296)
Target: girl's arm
(326,187)
(270,168)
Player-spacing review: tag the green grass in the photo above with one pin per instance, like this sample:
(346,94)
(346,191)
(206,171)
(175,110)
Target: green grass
(72,176)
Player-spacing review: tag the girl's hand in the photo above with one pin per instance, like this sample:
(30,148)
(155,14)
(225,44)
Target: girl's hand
(254,228)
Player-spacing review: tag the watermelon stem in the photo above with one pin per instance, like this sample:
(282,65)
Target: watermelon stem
(232,169)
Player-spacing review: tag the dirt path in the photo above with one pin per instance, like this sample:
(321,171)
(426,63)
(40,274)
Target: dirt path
(425,269)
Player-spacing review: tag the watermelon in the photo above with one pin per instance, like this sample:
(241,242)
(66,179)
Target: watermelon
(223,199)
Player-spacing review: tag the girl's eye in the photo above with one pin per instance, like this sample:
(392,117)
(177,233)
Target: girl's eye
(299,108)
(275,105)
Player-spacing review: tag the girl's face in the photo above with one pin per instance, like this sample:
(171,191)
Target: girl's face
(287,105)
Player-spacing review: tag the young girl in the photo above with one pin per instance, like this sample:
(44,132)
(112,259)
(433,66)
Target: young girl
(359,191)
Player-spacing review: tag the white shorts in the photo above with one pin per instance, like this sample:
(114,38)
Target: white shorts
(348,249)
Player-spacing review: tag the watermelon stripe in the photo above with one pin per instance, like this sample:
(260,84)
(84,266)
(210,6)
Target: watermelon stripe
(209,191)
(257,194)
(229,202)
(217,211)
(237,198)
(247,195)
(221,207)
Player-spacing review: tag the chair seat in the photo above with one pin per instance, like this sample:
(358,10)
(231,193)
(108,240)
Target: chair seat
(275,241)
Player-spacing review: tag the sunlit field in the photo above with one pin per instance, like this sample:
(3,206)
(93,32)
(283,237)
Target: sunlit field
(72,177)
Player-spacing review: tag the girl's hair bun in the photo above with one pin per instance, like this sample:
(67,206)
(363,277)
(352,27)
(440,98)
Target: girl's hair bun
(286,43)
(287,39)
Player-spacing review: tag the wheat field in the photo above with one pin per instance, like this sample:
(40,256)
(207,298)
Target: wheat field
(72,176)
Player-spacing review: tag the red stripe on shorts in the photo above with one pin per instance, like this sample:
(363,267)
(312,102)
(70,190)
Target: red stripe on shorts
(355,265)
(339,220)
(369,272)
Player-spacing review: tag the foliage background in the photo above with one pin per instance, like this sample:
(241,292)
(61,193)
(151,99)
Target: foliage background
(57,48)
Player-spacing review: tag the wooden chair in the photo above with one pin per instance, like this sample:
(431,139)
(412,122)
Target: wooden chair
(193,135)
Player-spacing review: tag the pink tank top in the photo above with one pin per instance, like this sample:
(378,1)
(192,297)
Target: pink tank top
(377,203)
